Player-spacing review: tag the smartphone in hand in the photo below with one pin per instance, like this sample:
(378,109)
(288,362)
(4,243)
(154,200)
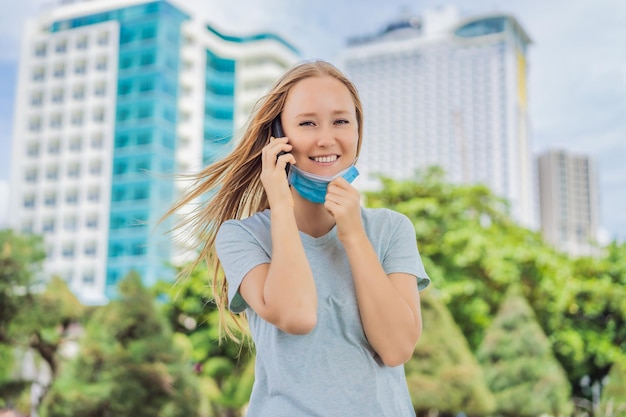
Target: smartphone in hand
(277,132)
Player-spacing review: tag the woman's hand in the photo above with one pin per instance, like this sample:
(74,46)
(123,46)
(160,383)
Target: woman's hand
(343,201)
(273,175)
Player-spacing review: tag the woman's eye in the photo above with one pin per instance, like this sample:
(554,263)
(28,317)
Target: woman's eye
(307,123)
(342,121)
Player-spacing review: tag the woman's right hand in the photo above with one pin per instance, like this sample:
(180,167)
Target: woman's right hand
(273,174)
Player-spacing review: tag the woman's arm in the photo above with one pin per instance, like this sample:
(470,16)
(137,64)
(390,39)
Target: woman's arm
(282,292)
(389,305)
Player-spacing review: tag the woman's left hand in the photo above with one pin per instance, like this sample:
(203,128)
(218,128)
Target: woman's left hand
(343,201)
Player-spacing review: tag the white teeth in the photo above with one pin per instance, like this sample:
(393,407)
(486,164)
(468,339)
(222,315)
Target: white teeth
(325,159)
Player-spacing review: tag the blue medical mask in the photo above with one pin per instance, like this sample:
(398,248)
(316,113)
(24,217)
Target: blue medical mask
(313,187)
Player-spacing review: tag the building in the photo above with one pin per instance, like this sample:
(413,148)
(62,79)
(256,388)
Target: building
(449,91)
(569,202)
(113,98)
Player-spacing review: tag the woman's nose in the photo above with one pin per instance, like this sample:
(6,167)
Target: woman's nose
(326,137)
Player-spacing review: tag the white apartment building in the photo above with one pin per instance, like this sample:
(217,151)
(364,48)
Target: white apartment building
(113,98)
(447,90)
(569,202)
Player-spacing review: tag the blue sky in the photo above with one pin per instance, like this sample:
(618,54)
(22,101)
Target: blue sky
(577,66)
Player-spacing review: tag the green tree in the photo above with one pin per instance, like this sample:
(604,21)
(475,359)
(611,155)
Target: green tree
(473,252)
(519,364)
(613,400)
(226,368)
(443,374)
(592,333)
(128,365)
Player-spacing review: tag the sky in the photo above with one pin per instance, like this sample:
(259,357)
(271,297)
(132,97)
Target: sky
(576,79)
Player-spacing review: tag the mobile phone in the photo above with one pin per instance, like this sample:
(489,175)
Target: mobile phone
(277,132)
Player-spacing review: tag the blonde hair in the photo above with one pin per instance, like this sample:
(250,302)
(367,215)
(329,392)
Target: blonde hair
(234,187)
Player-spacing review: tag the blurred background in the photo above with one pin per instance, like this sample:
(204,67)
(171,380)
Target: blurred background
(495,126)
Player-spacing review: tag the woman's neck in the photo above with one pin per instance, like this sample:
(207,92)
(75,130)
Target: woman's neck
(312,219)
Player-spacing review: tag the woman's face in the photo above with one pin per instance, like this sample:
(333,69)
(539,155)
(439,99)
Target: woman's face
(319,119)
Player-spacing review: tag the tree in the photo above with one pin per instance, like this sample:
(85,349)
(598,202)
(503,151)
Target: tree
(225,368)
(20,261)
(519,365)
(473,251)
(443,374)
(613,400)
(128,365)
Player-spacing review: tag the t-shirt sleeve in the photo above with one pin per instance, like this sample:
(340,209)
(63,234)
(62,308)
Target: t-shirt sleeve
(238,252)
(403,255)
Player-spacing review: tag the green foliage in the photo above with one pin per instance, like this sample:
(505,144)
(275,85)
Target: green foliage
(20,260)
(519,365)
(225,368)
(127,365)
(443,374)
(613,400)
(473,252)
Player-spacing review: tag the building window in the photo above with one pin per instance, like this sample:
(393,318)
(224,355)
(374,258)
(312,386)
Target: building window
(36,99)
(73,170)
(69,224)
(95,167)
(93,194)
(50,199)
(100,89)
(124,87)
(75,144)
(39,74)
(139,248)
(71,197)
(98,115)
(80,67)
(146,59)
(101,63)
(27,226)
(120,168)
(61,47)
(56,121)
(52,172)
(31,175)
(57,96)
(48,226)
(79,92)
(32,149)
(29,201)
(82,42)
(40,50)
(146,85)
(96,141)
(77,118)
(34,124)
(144,139)
(103,38)
(68,250)
(92,221)
(59,71)
(88,278)
(54,147)
(90,249)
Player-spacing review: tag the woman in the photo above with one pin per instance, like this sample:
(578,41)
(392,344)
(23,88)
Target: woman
(330,289)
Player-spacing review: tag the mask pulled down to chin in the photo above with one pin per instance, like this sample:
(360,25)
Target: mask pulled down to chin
(313,187)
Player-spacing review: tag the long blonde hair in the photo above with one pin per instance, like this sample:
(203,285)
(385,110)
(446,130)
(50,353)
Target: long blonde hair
(234,187)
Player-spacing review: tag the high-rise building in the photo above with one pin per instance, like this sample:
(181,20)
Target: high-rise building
(568,200)
(450,91)
(113,98)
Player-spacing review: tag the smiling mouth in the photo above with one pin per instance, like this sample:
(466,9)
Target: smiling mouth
(324,159)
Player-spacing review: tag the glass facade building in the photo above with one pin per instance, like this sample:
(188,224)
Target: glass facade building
(113,99)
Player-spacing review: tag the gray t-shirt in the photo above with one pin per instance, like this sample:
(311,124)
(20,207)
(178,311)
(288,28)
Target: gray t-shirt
(333,370)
